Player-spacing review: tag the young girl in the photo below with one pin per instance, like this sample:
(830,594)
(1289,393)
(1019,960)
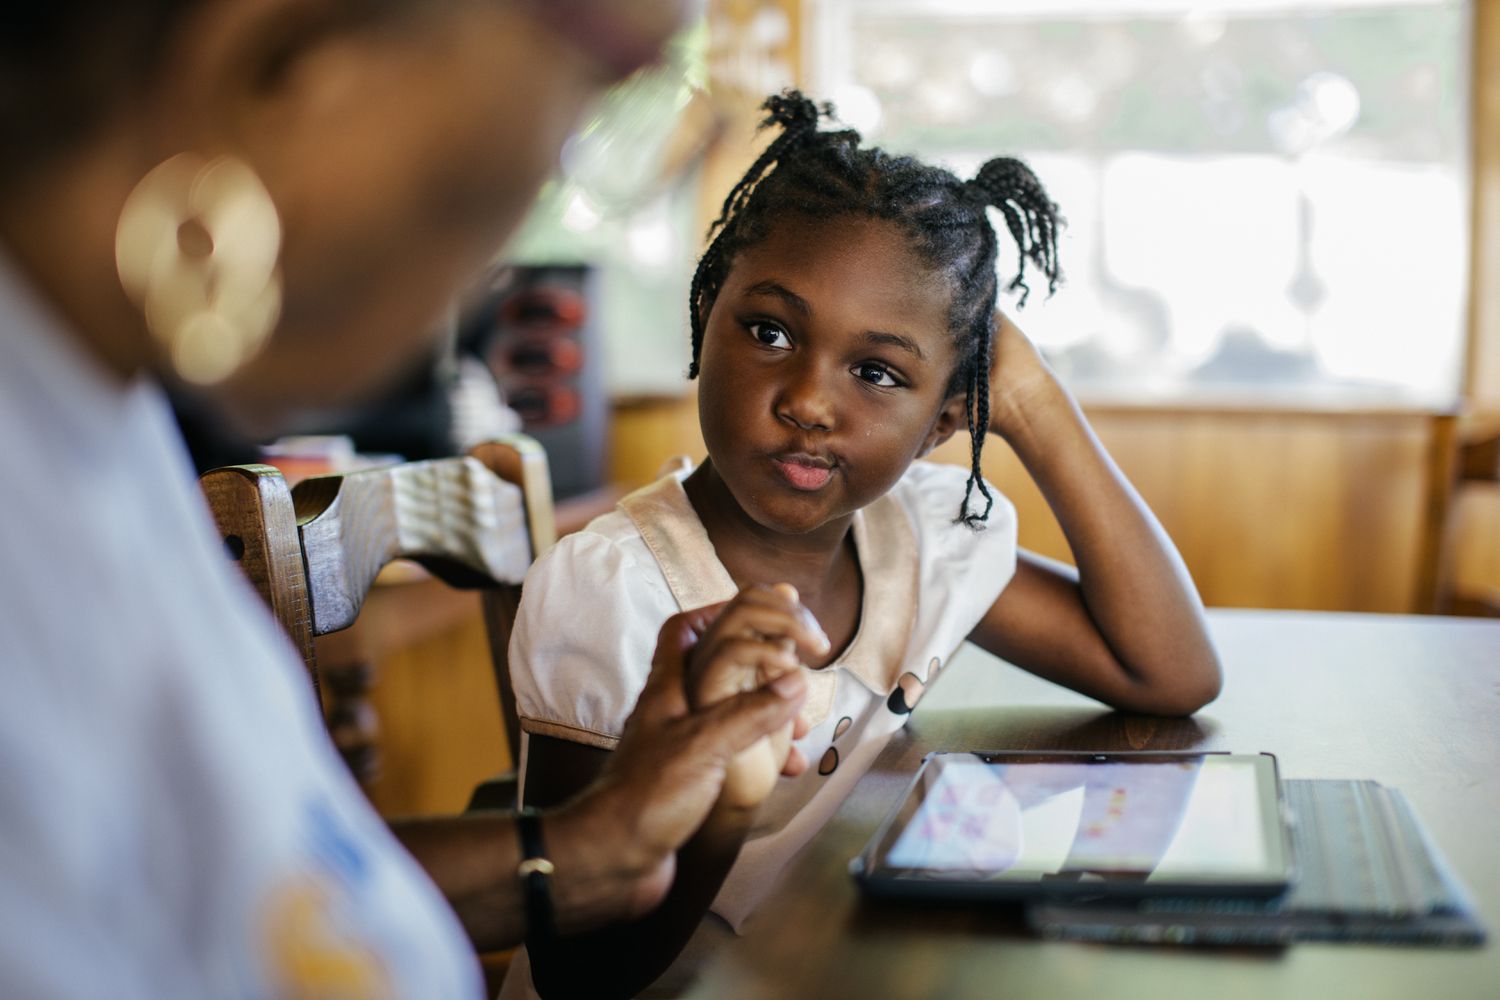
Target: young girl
(844,324)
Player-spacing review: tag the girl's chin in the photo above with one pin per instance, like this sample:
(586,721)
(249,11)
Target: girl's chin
(793,518)
(778,507)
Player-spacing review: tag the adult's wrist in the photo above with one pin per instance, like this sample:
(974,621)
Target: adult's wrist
(604,869)
(535,872)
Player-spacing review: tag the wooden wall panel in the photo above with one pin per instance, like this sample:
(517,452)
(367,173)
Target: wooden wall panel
(1476,539)
(1305,511)
(1476,533)
(1269,510)
(1293,510)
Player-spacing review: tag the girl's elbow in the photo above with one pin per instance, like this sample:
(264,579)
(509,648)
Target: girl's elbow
(1181,694)
(1193,692)
(1191,701)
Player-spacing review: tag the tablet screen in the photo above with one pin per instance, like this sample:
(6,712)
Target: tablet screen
(1203,819)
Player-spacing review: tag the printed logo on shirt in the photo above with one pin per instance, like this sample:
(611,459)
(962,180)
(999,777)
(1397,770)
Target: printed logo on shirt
(335,846)
(309,926)
(311,952)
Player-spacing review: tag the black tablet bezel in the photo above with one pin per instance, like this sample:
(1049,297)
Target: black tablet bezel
(879,879)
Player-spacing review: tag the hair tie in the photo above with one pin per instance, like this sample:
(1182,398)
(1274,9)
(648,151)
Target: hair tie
(1004,179)
(1009,186)
(975,190)
(796,114)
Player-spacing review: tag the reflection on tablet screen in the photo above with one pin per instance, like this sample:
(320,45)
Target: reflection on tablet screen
(1195,817)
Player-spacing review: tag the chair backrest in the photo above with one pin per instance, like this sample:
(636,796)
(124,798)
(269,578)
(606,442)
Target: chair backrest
(313,551)
(1467,455)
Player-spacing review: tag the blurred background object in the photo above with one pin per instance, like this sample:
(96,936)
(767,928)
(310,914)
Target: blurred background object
(625,203)
(1265,200)
(538,338)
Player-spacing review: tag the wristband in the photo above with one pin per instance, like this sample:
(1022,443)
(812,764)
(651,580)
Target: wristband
(535,873)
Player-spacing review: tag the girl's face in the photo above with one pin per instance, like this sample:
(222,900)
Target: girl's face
(825,370)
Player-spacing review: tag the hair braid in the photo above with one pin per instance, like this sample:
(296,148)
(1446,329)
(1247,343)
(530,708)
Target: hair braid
(707,264)
(798,118)
(979,418)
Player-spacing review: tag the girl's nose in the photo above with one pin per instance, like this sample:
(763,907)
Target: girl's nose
(806,402)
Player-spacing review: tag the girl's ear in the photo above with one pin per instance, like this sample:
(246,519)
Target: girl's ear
(705,307)
(952,417)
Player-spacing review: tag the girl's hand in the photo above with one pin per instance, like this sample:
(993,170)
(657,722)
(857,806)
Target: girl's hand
(761,635)
(1020,380)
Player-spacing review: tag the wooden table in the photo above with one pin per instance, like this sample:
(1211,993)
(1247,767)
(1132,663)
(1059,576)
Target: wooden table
(1411,702)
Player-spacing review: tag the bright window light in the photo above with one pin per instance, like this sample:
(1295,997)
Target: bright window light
(1266,201)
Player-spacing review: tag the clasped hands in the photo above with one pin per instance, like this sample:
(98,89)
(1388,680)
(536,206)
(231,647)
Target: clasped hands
(760,637)
(711,732)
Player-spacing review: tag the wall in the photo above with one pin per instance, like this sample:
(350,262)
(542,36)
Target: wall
(1292,510)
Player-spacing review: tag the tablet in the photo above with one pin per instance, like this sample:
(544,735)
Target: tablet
(1051,825)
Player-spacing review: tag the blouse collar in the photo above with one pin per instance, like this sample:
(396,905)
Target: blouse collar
(884,544)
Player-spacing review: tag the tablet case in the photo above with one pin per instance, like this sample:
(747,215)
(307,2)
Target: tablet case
(1366,872)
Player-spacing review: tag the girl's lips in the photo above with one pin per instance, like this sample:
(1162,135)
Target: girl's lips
(803,475)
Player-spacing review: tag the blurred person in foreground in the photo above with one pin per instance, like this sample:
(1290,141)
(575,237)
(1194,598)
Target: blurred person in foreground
(264,198)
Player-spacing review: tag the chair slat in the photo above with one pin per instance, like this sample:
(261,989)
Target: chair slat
(452,516)
(313,552)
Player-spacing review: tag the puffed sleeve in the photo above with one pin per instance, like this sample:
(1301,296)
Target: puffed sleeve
(962,571)
(590,612)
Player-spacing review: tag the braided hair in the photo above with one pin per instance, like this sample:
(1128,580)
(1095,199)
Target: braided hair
(821,174)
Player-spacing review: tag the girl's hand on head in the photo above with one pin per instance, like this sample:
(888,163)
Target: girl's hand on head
(760,636)
(1020,379)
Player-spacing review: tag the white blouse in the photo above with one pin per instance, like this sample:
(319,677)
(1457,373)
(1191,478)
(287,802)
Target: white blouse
(592,607)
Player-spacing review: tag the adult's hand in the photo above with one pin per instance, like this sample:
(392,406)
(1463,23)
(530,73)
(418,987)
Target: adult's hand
(763,633)
(614,846)
(665,775)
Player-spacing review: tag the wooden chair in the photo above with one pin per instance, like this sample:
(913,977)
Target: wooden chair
(1468,459)
(313,551)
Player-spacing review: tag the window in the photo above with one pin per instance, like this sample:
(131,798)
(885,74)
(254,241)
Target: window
(624,202)
(1267,202)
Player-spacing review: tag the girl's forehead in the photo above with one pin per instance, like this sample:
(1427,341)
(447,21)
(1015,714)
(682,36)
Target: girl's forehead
(848,264)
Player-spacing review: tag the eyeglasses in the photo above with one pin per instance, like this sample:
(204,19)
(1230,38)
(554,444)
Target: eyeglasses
(621,35)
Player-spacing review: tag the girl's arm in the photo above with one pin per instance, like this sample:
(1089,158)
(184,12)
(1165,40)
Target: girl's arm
(761,636)
(1126,627)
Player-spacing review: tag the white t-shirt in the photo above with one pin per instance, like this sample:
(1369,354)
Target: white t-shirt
(174,821)
(593,605)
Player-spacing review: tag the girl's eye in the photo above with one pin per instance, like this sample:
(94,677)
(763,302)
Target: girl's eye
(770,335)
(875,375)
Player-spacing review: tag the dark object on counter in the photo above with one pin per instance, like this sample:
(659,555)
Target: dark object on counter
(539,334)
